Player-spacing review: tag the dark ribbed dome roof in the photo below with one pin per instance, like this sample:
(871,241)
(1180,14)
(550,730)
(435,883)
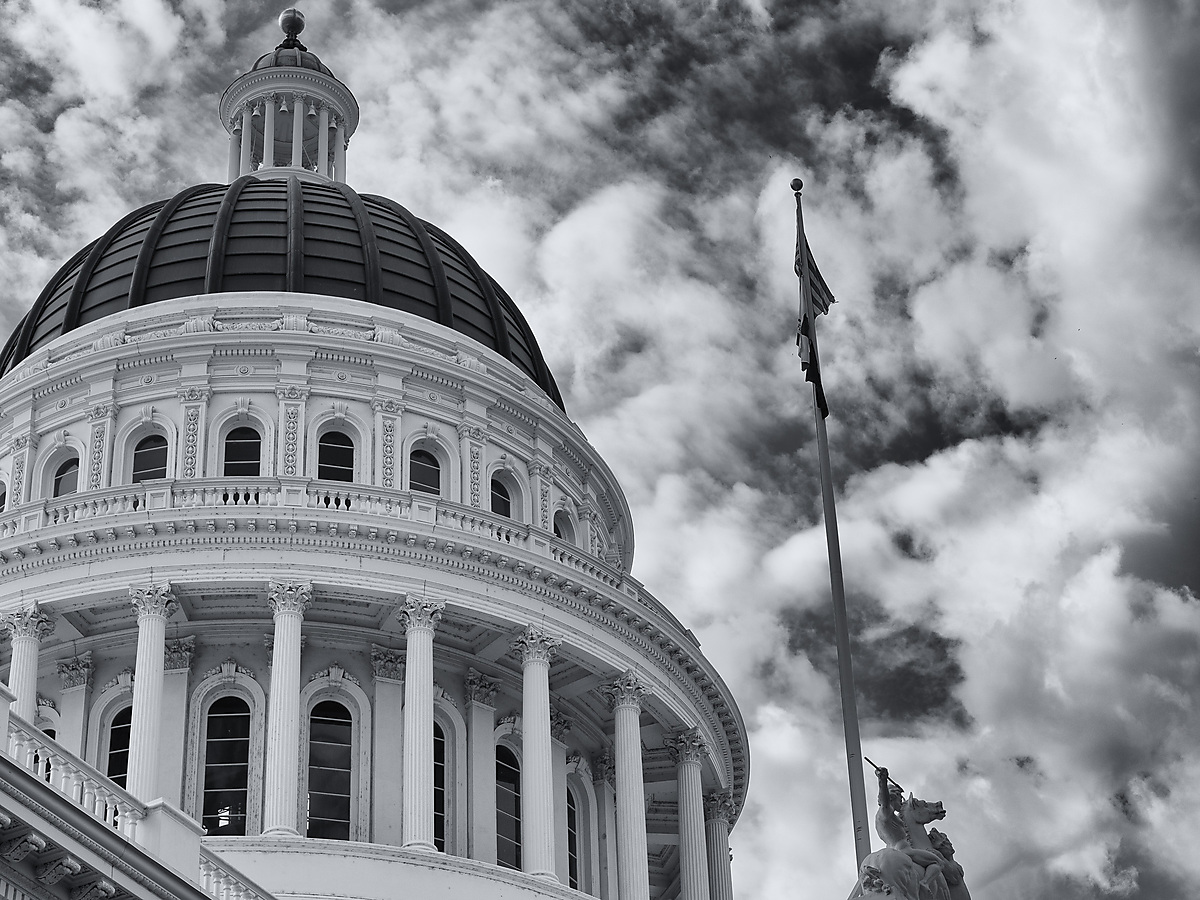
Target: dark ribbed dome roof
(291,56)
(281,234)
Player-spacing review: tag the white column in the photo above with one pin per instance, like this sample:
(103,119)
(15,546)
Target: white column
(537,775)
(76,675)
(297,130)
(388,667)
(633,870)
(26,629)
(419,616)
(247,160)
(718,810)
(235,150)
(481,767)
(339,151)
(688,750)
(323,141)
(153,604)
(289,601)
(268,130)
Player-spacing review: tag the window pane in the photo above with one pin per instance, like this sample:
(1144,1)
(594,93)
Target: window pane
(335,457)
(150,458)
(329,771)
(243,451)
(572,841)
(424,472)
(508,808)
(3,496)
(226,766)
(118,746)
(66,478)
(501,502)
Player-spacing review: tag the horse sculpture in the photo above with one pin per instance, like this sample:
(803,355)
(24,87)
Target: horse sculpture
(910,866)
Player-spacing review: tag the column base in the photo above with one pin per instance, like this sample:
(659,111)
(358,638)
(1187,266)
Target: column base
(544,876)
(423,846)
(281,831)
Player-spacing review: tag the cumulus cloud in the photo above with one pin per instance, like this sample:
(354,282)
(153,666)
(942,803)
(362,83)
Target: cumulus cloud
(1003,197)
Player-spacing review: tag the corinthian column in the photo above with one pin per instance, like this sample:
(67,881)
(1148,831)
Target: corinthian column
(688,749)
(153,604)
(26,629)
(419,618)
(718,810)
(281,786)
(537,774)
(633,870)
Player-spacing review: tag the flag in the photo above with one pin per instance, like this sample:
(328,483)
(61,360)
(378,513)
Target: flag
(815,298)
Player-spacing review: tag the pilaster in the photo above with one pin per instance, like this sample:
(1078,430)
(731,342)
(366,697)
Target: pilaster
(293,399)
(388,668)
(98,468)
(481,766)
(195,428)
(74,700)
(387,434)
(604,783)
(177,668)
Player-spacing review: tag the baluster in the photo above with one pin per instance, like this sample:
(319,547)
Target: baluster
(87,790)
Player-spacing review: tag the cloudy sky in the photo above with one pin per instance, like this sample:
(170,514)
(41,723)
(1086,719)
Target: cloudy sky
(1004,195)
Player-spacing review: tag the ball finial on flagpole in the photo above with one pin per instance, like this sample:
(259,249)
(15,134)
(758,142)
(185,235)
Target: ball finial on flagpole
(797,185)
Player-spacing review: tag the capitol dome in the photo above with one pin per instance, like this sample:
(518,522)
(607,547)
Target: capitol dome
(281,233)
(312,588)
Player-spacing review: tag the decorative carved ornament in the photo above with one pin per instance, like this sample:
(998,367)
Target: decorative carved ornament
(718,805)
(420,613)
(229,670)
(155,600)
(560,725)
(626,690)
(76,671)
(17,848)
(335,673)
(534,645)
(687,747)
(56,870)
(177,654)
(604,768)
(28,623)
(289,597)
(45,703)
(389,452)
(387,663)
(481,689)
(122,682)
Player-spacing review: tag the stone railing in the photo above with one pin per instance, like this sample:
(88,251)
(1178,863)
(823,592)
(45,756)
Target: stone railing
(86,787)
(222,881)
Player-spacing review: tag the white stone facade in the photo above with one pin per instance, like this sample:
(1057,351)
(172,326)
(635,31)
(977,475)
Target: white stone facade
(288,590)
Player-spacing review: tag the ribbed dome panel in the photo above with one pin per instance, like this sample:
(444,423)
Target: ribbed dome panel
(281,234)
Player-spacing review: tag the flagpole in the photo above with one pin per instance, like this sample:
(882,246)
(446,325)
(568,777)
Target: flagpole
(854,758)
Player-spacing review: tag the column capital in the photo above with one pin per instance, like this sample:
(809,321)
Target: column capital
(154,600)
(387,663)
(30,622)
(534,645)
(420,612)
(604,768)
(481,689)
(76,671)
(687,746)
(177,655)
(625,690)
(289,597)
(718,805)
(560,725)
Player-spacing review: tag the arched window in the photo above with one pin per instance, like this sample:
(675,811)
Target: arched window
(508,808)
(150,458)
(117,767)
(439,787)
(243,453)
(226,766)
(3,495)
(572,840)
(335,457)
(66,478)
(563,529)
(501,499)
(424,472)
(329,771)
